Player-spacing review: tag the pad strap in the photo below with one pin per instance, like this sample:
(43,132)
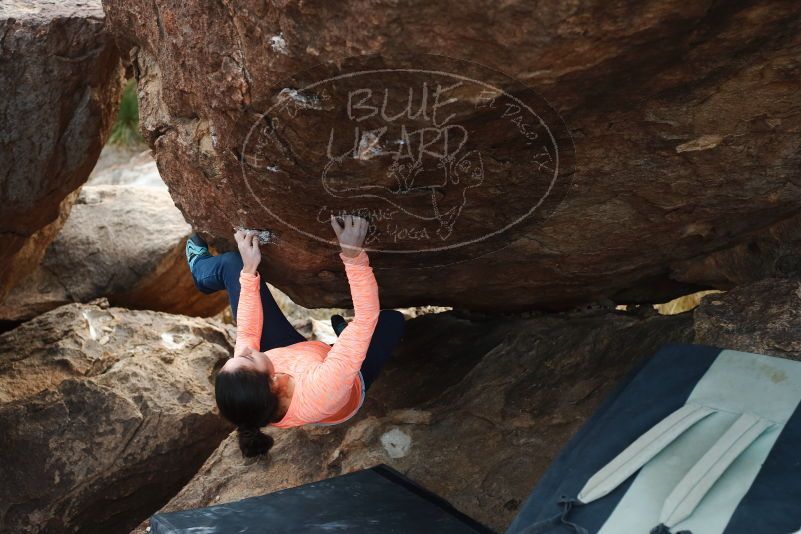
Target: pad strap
(641,451)
(686,496)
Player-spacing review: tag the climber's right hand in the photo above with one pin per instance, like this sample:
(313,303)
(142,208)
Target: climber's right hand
(248,243)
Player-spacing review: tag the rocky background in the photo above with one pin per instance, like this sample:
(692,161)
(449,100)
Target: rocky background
(684,124)
(61,78)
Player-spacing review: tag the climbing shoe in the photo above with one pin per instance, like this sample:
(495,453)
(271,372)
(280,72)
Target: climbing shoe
(339,323)
(196,247)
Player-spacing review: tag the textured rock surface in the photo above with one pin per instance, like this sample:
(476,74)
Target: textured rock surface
(105,413)
(60,77)
(472,409)
(125,243)
(685,121)
(771,252)
(764,317)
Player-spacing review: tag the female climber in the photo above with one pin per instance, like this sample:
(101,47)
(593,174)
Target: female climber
(276,377)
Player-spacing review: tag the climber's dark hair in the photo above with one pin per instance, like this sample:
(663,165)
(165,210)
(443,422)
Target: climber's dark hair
(245,398)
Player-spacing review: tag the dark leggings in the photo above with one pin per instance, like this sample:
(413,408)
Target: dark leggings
(214,273)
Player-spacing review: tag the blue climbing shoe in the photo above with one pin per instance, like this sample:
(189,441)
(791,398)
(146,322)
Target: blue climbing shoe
(196,248)
(338,323)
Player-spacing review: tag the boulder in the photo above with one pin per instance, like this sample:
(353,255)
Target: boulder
(61,78)
(123,242)
(472,408)
(126,165)
(105,413)
(649,136)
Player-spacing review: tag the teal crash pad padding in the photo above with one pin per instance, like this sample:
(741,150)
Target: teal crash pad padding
(379,500)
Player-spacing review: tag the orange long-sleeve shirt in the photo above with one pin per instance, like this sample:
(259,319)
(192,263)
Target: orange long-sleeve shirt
(328,387)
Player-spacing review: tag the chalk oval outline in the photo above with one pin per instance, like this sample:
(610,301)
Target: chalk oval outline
(461,244)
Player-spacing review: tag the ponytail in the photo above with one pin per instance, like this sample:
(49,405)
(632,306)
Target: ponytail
(253,442)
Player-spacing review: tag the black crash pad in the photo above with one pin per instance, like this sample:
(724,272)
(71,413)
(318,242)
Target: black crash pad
(373,500)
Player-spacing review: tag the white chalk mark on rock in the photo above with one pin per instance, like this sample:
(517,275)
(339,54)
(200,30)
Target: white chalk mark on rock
(92,329)
(172,342)
(265,236)
(278,44)
(301,100)
(368,147)
(397,443)
(97,330)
